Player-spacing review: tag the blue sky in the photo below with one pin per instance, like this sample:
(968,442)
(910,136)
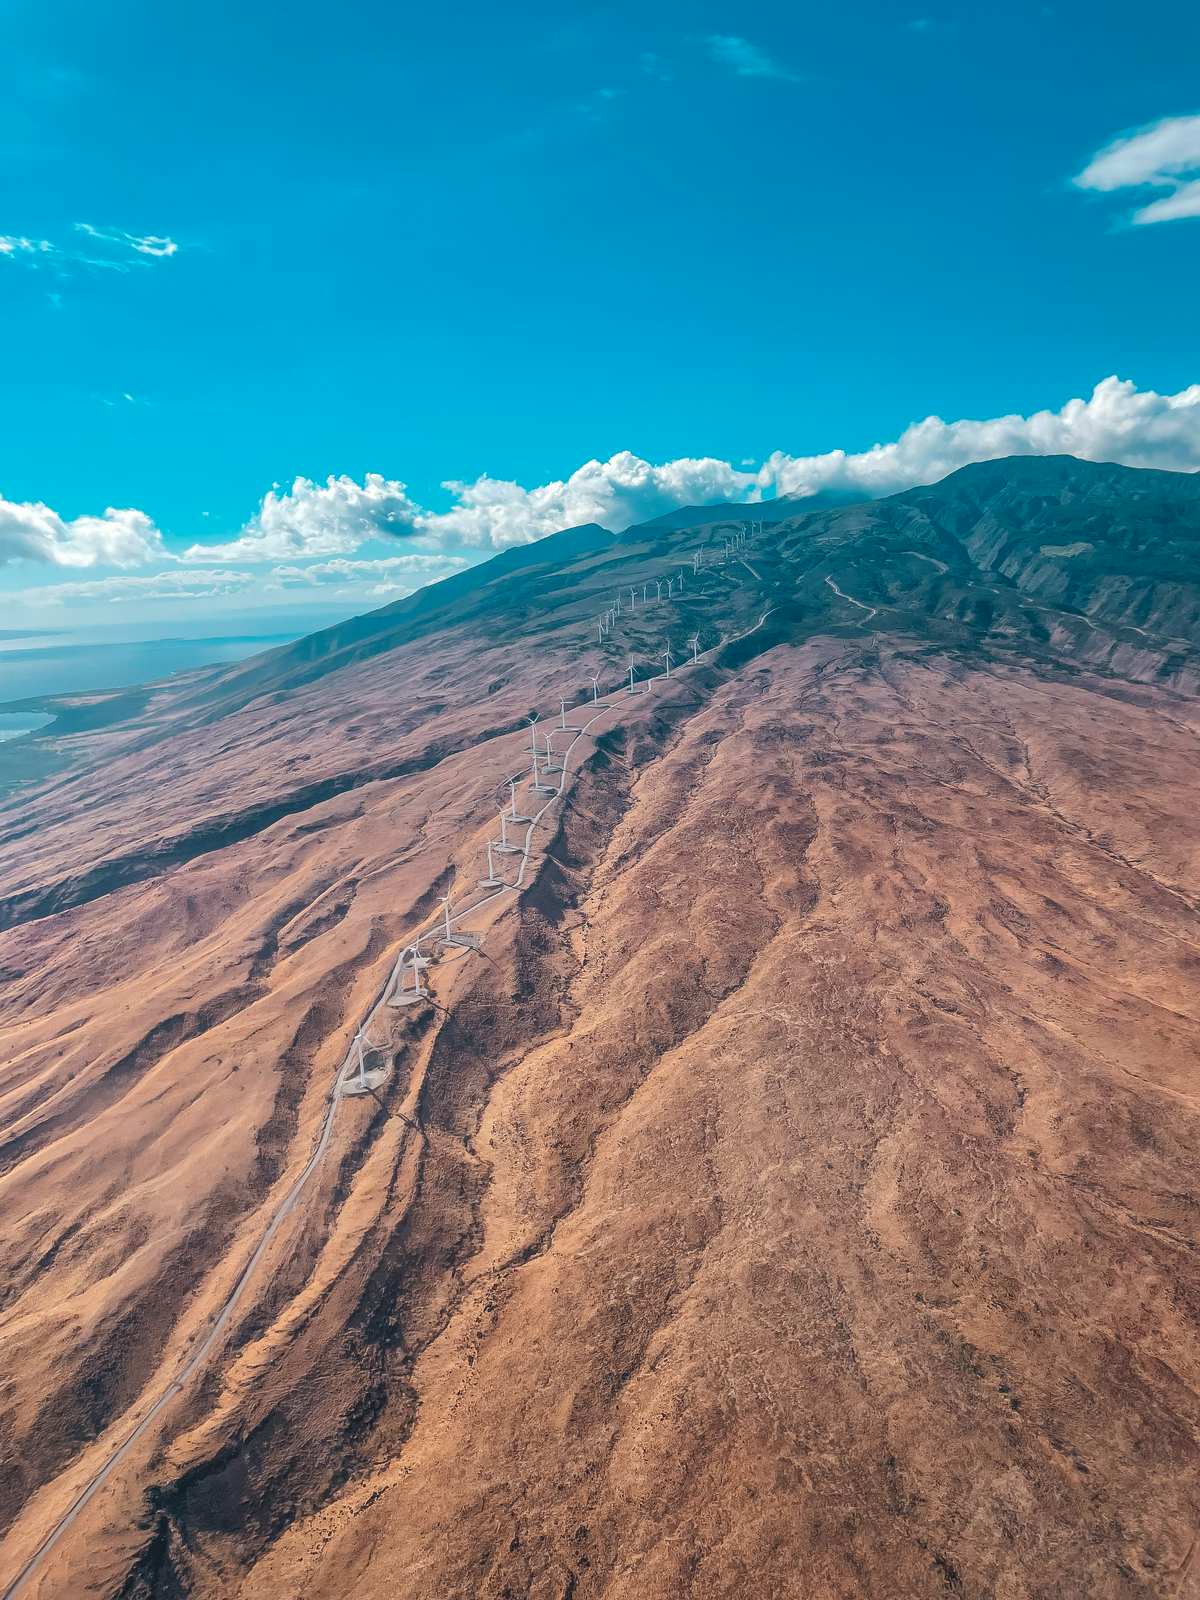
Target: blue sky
(248,246)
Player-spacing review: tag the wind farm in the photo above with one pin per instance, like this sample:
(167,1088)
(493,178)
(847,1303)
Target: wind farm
(549,989)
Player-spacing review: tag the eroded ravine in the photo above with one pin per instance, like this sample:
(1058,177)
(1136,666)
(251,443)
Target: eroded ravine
(775,1185)
(411,1263)
(740,1140)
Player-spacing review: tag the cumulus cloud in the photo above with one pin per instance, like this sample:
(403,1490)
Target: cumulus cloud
(311,519)
(31,531)
(173,584)
(745,59)
(308,534)
(1163,155)
(1118,423)
(492,513)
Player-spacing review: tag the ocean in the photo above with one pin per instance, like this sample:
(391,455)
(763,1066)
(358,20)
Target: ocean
(64,664)
(32,665)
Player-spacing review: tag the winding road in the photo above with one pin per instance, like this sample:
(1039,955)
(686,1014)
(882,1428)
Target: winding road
(872,611)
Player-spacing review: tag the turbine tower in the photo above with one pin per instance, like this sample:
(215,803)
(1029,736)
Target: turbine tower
(406,997)
(492,881)
(462,941)
(505,847)
(536,783)
(363,1080)
(513,814)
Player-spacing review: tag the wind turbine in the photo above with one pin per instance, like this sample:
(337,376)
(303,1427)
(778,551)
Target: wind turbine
(504,848)
(564,725)
(694,641)
(492,881)
(596,700)
(536,783)
(514,815)
(632,690)
(632,601)
(667,653)
(407,997)
(463,941)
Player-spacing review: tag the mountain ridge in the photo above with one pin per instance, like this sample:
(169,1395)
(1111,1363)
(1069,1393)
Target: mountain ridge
(803,1169)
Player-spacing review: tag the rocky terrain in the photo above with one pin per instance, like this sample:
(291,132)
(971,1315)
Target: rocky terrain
(796,1197)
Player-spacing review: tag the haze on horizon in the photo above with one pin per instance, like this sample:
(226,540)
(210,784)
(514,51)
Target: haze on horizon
(426,286)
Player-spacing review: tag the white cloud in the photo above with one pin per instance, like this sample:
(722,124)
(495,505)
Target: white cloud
(390,577)
(307,534)
(171,585)
(311,519)
(1118,423)
(745,59)
(1164,155)
(31,531)
(114,254)
(389,573)
(149,244)
(17,248)
(493,513)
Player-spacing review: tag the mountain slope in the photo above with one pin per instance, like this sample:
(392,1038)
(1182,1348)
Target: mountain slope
(796,1199)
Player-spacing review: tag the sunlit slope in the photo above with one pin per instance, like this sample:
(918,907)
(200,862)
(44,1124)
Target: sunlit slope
(795,1198)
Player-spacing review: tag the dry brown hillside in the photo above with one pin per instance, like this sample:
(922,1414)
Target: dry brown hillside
(796,1197)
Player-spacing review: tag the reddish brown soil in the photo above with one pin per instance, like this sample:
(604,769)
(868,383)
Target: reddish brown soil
(799,1201)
